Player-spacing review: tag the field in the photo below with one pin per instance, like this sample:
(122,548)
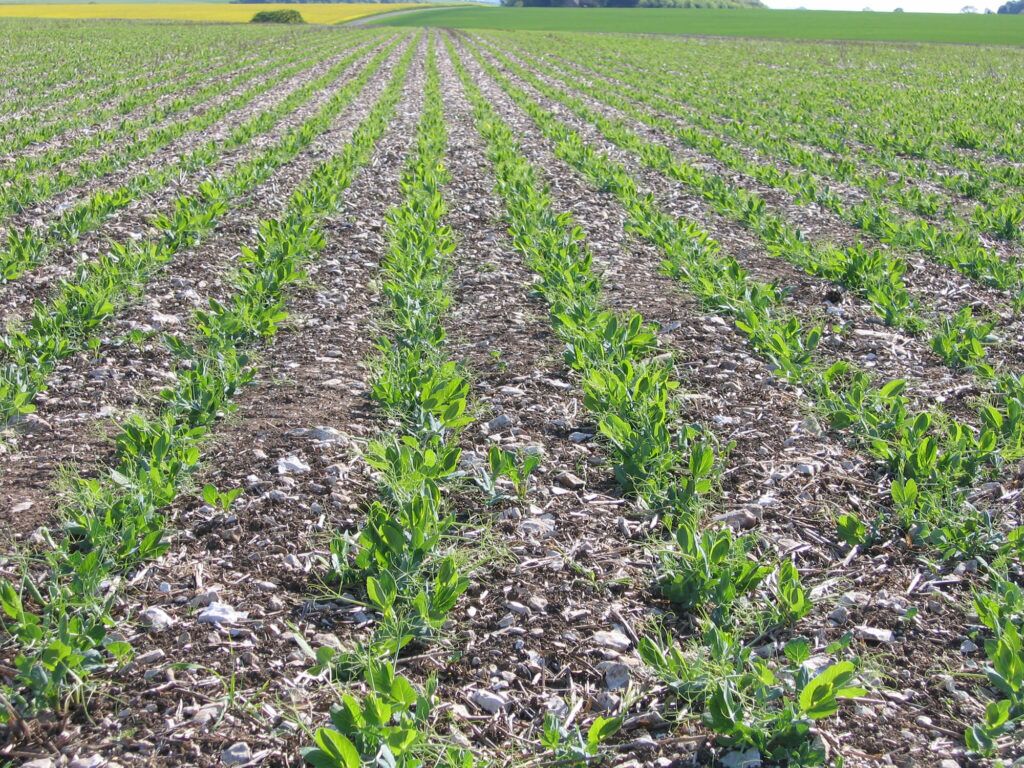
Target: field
(784,25)
(212,11)
(396,397)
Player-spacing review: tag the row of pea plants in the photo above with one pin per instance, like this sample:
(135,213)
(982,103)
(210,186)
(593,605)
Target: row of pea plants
(126,132)
(695,123)
(56,94)
(670,469)
(932,459)
(33,179)
(200,74)
(30,246)
(959,341)
(1000,215)
(396,557)
(958,246)
(69,321)
(930,123)
(57,616)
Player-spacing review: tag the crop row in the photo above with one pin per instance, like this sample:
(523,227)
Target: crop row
(954,241)
(933,460)
(47,62)
(803,142)
(960,341)
(875,274)
(59,610)
(67,322)
(28,246)
(894,180)
(928,109)
(47,123)
(732,652)
(224,82)
(396,558)
(671,469)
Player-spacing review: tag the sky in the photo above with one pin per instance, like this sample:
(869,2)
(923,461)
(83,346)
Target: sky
(934,6)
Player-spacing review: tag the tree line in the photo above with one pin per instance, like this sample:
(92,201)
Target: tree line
(634,3)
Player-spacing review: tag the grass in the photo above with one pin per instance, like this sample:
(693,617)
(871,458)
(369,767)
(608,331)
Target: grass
(313,13)
(793,25)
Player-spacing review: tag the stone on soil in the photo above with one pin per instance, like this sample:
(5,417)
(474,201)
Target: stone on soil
(874,634)
(292,465)
(489,701)
(237,754)
(219,614)
(155,619)
(616,674)
(614,640)
(498,424)
(569,481)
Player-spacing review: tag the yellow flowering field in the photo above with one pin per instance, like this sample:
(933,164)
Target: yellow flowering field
(314,13)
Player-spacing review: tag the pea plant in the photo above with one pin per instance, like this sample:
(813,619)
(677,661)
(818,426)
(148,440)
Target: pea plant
(87,216)
(668,467)
(66,323)
(59,612)
(1000,609)
(389,726)
(768,704)
(510,466)
(396,556)
(932,459)
(953,456)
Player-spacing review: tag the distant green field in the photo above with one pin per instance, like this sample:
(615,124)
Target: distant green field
(794,25)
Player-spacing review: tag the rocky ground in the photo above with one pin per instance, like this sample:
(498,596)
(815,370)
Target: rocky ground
(562,582)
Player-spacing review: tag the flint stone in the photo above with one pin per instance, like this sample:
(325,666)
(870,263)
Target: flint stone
(292,465)
(155,619)
(220,613)
(874,634)
(237,754)
(489,701)
(613,639)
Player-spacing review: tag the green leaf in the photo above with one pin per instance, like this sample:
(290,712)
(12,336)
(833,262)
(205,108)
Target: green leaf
(851,530)
(338,748)
(602,729)
(818,698)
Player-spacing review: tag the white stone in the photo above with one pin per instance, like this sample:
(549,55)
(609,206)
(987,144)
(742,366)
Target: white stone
(220,613)
(156,619)
(874,634)
(292,465)
(489,701)
(322,434)
(613,639)
(538,527)
(162,321)
(151,657)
